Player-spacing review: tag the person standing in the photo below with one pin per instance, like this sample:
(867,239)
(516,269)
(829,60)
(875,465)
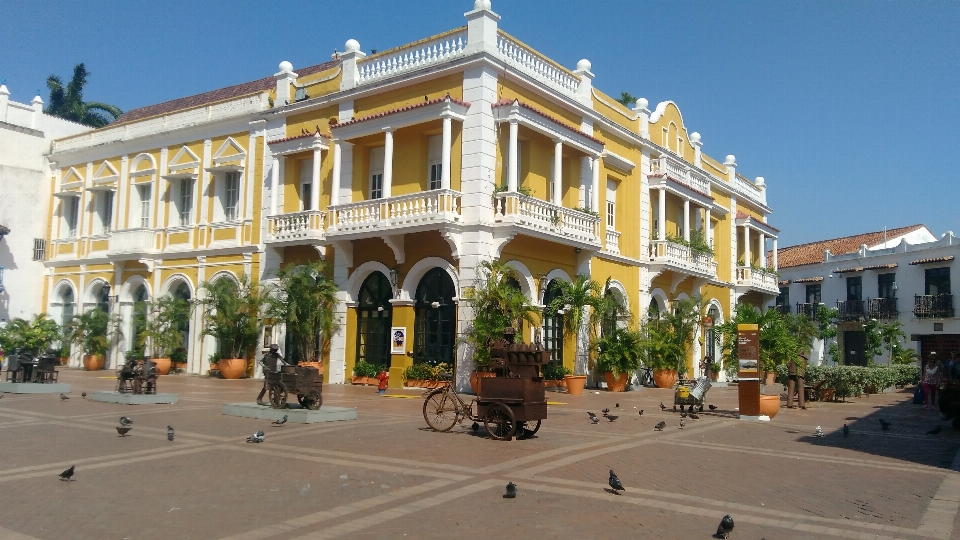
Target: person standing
(796,369)
(931,377)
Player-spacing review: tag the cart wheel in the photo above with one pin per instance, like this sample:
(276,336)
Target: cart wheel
(311,400)
(440,410)
(528,429)
(137,386)
(278,396)
(500,422)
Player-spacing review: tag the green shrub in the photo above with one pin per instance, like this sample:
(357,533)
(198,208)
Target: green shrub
(418,372)
(554,371)
(363,369)
(853,380)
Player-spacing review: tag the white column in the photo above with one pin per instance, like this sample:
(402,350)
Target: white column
(686,219)
(4,102)
(763,250)
(774,251)
(698,221)
(315,180)
(662,217)
(337,158)
(37,111)
(446,141)
(557,172)
(746,246)
(388,164)
(595,193)
(274,185)
(707,232)
(512,158)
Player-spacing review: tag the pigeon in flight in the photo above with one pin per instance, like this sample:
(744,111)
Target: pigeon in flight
(169,433)
(256,437)
(83,394)
(846,431)
(124,421)
(123,430)
(67,475)
(712,407)
(662,406)
(934,431)
(63,397)
(818,432)
(615,483)
(660,425)
(593,417)
(725,527)
(884,425)
(611,417)
(280,422)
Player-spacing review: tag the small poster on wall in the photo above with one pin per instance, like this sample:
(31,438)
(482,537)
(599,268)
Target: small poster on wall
(398,340)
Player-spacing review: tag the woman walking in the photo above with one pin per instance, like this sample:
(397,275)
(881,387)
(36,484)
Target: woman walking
(931,376)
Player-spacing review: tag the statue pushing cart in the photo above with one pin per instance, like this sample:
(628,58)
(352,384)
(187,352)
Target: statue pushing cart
(280,381)
(511,403)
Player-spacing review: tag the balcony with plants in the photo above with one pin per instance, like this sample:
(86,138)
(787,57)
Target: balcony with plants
(694,256)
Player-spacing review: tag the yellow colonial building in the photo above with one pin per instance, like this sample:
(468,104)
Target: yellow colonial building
(404,169)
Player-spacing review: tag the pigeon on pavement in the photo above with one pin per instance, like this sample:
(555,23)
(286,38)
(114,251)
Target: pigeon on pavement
(615,483)
(934,431)
(846,430)
(712,407)
(662,406)
(605,411)
(169,433)
(475,427)
(660,425)
(124,421)
(123,430)
(683,415)
(884,425)
(641,412)
(694,416)
(593,417)
(725,527)
(511,491)
(68,474)
(818,432)
(611,417)
(256,437)
(83,394)
(681,423)
(617,406)
(280,422)
(63,397)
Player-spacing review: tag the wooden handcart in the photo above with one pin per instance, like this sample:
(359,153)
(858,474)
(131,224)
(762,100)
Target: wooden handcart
(304,382)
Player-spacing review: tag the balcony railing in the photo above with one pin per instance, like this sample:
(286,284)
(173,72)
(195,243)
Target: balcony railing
(782,309)
(405,59)
(882,308)
(307,225)
(682,258)
(808,309)
(612,245)
(682,172)
(132,242)
(757,279)
(748,189)
(532,63)
(850,310)
(417,209)
(547,217)
(930,306)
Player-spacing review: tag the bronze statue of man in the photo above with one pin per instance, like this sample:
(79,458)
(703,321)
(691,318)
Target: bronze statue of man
(270,362)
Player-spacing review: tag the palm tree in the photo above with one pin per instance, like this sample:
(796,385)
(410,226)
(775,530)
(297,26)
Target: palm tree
(305,299)
(497,303)
(67,102)
(575,300)
(627,99)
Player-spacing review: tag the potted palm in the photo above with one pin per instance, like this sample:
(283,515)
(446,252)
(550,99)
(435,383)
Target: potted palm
(619,355)
(554,374)
(89,332)
(160,331)
(574,302)
(364,373)
(666,338)
(231,315)
(303,299)
(497,304)
(33,337)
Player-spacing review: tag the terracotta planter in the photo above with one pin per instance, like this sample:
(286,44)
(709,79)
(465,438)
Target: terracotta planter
(232,368)
(714,377)
(64,360)
(163,365)
(575,384)
(769,405)
(551,384)
(93,362)
(771,378)
(616,384)
(318,365)
(665,378)
(475,377)
(214,367)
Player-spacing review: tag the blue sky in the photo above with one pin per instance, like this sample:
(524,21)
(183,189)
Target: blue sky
(848,109)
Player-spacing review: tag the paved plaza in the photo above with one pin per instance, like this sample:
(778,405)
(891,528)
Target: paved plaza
(386,475)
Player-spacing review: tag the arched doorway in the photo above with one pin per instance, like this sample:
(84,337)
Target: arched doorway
(553,323)
(713,351)
(374,318)
(181,291)
(435,319)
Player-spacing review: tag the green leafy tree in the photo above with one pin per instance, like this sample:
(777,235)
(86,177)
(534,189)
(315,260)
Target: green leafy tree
(803,330)
(619,351)
(666,338)
(33,337)
(777,344)
(576,299)
(627,99)
(497,303)
(159,326)
(92,331)
(304,299)
(231,315)
(892,335)
(67,101)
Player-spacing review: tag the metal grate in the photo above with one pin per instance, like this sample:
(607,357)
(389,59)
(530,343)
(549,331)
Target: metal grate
(39,249)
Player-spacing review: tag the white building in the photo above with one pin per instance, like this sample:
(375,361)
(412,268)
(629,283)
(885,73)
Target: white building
(25,136)
(901,274)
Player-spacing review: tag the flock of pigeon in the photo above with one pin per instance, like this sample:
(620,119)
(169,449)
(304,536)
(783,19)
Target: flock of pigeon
(690,412)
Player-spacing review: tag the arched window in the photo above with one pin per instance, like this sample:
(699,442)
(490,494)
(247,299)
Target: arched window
(435,319)
(653,310)
(103,299)
(374,318)
(68,305)
(553,323)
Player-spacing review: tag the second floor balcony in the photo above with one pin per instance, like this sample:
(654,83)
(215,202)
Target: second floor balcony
(669,255)
(757,279)
(930,306)
(414,212)
(808,309)
(296,227)
(547,220)
(133,242)
(882,308)
(850,310)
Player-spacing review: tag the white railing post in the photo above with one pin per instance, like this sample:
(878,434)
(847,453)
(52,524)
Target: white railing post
(481,27)
(643,115)
(351,75)
(275,185)
(585,89)
(4,102)
(512,172)
(37,110)
(557,171)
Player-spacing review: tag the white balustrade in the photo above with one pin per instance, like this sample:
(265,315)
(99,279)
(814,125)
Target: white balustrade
(545,216)
(748,189)
(131,241)
(296,225)
(416,56)
(757,279)
(438,205)
(681,257)
(612,245)
(536,65)
(681,172)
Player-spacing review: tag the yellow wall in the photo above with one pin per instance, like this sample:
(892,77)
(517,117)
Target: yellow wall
(410,95)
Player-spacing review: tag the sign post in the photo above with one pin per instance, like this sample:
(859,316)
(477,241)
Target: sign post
(748,372)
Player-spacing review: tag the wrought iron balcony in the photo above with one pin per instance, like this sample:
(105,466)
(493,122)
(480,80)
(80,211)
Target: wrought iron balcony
(295,227)
(882,308)
(929,306)
(547,220)
(679,258)
(808,309)
(850,310)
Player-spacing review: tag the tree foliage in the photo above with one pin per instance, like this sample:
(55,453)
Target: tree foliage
(92,331)
(32,337)
(666,337)
(577,299)
(778,344)
(67,101)
(627,99)
(159,326)
(231,315)
(497,304)
(304,299)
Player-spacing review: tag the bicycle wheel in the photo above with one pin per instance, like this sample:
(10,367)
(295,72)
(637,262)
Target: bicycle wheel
(500,422)
(440,410)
